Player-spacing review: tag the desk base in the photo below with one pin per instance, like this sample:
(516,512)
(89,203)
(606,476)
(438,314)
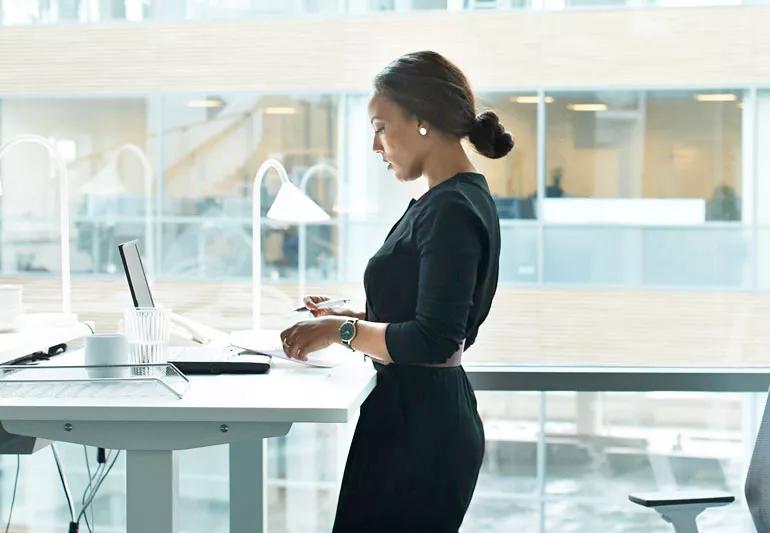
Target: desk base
(152,489)
(152,472)
(248,494)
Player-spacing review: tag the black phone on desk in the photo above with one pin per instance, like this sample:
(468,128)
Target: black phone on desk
(206,358)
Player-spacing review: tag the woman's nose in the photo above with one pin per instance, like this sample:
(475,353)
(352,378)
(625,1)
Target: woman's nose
(376,146)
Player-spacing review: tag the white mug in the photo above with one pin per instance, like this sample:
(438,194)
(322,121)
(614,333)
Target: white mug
(104,349)
(10,307)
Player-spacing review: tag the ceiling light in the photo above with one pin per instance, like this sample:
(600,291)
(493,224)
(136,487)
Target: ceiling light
(531,99)
(716,97)
(280,110)
(204,103)
(587,107)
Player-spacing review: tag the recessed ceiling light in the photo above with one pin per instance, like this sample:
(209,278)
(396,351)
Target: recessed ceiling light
(531,99)
(280,110)
(205,103)
(587,107)
(716,97)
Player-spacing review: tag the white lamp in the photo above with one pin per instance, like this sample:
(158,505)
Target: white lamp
(302,255)
(64,219)
(107,182)
(290,205)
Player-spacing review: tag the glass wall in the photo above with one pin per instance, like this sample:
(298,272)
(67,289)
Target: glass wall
(106,184)
(566,461)
(212,147)
(647,173)
(762,190)
(513,179)
(647,144)
(562,461)
(658,175)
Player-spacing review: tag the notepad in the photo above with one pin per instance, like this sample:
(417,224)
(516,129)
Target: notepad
(268,342)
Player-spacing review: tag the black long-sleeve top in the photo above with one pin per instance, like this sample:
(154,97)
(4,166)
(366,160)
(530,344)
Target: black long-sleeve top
(435,275)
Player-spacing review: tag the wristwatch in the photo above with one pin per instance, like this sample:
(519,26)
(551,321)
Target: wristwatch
(348,332)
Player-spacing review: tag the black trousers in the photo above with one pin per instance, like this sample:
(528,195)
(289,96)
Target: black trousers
(415,455)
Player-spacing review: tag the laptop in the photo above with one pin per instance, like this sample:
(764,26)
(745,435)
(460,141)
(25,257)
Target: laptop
(209,358)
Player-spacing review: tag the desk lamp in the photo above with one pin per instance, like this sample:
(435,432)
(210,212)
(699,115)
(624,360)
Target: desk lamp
(64,219)
(302,255)
(290,205)
(108,182)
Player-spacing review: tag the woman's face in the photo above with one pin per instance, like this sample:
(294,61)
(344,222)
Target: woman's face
(396,138)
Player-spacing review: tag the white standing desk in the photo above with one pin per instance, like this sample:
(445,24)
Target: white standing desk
(36,338)
(33,337)
(239,410)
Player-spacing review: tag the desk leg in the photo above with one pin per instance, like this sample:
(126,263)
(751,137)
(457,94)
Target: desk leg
(152,489)
(248,493)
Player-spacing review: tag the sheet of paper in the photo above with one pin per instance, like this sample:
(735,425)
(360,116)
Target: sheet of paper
(268,342)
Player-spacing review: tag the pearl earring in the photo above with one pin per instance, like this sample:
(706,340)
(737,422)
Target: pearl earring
(423,131)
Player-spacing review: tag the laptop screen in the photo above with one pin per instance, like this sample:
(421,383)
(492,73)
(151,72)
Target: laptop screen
(137,280)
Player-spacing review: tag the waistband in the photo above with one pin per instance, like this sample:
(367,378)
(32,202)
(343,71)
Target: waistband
(454,360)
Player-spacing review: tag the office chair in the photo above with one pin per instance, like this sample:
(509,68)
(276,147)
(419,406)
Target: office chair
(680,509)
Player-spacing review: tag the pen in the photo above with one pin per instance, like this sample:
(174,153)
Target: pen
(326,304)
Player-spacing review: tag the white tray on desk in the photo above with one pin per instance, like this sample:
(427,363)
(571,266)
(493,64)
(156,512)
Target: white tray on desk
(151,381)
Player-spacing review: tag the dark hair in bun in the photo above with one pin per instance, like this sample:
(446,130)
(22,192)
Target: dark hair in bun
(489,136)
(430,87)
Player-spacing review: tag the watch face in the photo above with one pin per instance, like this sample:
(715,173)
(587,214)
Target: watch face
(347,331)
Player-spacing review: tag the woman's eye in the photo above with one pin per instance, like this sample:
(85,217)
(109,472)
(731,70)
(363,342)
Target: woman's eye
(379,130)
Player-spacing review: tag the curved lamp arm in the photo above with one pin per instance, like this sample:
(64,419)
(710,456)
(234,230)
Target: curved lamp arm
(290,205)
(256,235)
(148,180)
(64,218)
(302,237)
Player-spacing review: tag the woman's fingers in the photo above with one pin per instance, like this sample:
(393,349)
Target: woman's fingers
(303,338)
(301,353)
(298,351)
(285,334)
(312,301)
(285,341)
(291,341)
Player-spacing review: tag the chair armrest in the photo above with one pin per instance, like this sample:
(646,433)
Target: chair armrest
(702,498)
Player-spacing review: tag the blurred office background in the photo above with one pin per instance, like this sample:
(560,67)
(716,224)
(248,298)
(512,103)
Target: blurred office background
(635,215)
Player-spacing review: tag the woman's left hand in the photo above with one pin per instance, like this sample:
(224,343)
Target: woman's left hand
(310,335)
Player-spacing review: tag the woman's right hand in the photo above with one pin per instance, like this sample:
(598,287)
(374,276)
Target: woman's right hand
(312,301)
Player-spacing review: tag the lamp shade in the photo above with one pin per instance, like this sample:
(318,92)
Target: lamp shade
(291,205)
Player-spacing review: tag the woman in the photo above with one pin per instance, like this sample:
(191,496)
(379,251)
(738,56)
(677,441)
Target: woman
(419,442)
